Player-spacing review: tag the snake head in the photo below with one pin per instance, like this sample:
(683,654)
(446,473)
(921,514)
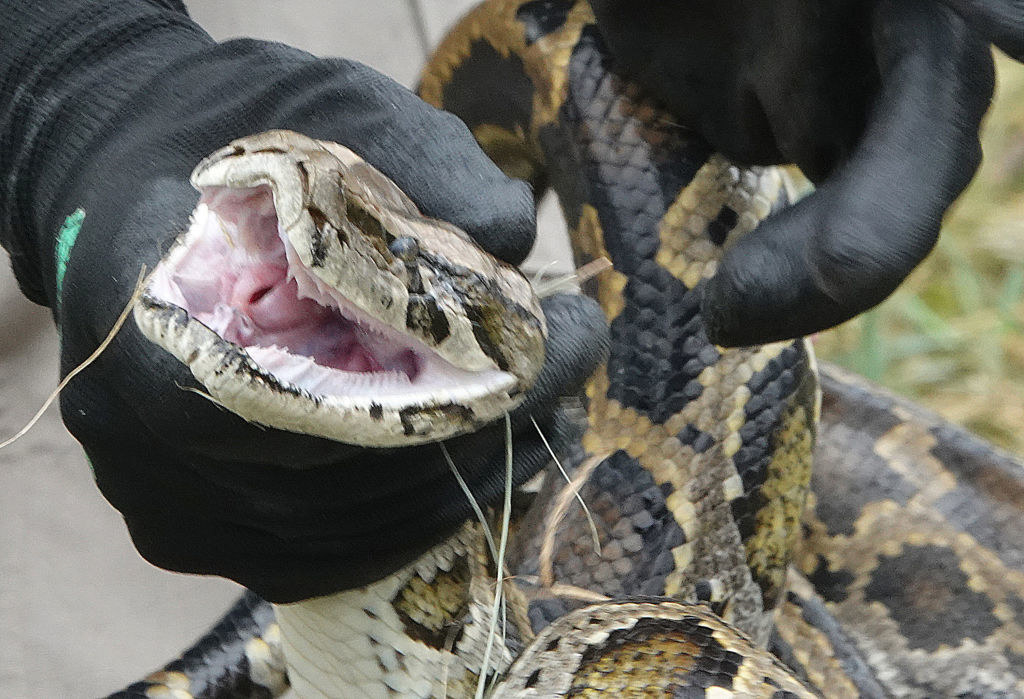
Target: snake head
(310,294)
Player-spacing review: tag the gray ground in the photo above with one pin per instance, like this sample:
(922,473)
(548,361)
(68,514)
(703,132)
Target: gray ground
(80,613)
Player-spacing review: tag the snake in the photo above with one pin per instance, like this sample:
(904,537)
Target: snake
(724,564)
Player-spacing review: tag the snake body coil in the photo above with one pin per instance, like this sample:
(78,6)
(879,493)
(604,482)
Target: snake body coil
(693,460)
(715,443)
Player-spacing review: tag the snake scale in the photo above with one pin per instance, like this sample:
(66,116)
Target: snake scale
(907,575)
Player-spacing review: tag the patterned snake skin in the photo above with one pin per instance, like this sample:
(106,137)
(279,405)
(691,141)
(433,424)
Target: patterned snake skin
(909,562)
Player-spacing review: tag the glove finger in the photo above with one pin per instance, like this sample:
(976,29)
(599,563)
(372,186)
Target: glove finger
(429,153)
(998,21)
(846,247)
(381,489)
(578,340)
(784,81)
(175,5)
(455,181)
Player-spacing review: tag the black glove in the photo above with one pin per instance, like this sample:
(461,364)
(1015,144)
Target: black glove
(105,107)
(877,101)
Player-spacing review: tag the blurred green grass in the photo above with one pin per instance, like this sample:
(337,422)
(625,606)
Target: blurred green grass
(952,337)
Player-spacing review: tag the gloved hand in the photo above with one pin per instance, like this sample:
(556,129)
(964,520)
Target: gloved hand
(105,107)
(879,103)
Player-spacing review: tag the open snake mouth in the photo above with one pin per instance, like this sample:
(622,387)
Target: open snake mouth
(237,273)
(310,294)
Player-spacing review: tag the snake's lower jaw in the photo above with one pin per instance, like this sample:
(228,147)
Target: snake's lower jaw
(272,343)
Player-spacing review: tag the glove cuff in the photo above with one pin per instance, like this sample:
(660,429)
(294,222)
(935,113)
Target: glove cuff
(65,71)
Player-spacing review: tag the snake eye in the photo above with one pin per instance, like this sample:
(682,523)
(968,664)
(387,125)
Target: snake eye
(405,248)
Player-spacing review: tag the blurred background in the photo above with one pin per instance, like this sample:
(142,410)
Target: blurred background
(82,614)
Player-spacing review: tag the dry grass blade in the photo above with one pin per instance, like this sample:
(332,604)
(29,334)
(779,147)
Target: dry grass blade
(449,644)
(472,501)
(500,561)
(562,590)
(554,517)
(541,272)
(579,498)
(136,294)
(568,281)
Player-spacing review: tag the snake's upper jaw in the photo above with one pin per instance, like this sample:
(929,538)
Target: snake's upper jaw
(272,341)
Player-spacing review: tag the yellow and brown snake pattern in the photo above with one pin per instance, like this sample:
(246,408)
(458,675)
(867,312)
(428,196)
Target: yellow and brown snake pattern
(694,460)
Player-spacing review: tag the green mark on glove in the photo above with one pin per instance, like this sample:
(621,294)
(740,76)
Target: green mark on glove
(65,241)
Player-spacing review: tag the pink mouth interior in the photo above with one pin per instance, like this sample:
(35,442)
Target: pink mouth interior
(237,272)
(239,278)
